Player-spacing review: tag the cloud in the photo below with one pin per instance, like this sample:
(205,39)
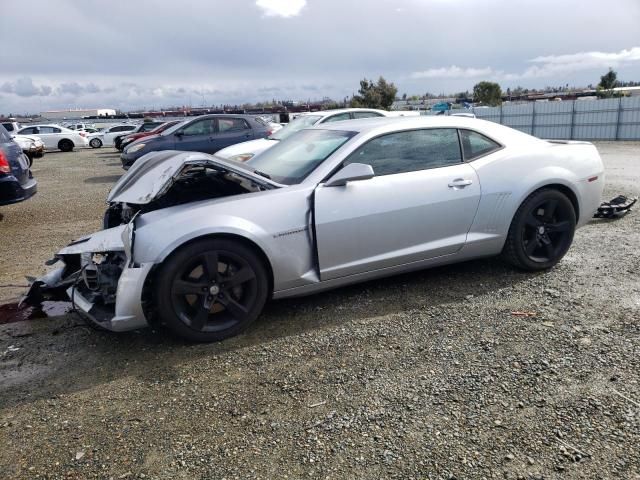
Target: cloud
(281,8)
(544,66)
(24,87)
(453,72)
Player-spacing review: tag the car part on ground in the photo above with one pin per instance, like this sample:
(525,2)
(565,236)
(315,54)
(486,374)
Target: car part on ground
(616,207)
(314,218)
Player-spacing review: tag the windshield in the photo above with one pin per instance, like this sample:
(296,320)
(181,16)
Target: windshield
(174,128)
(290,161)
(295,125)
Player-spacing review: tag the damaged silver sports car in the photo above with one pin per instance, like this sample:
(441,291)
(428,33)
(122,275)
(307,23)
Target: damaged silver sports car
(199,243)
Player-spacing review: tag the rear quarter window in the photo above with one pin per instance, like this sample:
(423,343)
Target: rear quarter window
(475,145)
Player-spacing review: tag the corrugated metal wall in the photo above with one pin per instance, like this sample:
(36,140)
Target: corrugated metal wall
(607,119)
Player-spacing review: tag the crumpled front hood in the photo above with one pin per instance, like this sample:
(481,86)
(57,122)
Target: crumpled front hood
(154,173)
(109,240)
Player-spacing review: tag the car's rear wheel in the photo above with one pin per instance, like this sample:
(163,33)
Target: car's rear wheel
(211,289)
(541,231)
(65,145)
(95,143)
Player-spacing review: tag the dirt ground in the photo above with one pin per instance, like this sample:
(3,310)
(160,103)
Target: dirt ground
(427,375)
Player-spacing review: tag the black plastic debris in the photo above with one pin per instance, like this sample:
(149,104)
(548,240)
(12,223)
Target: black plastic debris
(616,207)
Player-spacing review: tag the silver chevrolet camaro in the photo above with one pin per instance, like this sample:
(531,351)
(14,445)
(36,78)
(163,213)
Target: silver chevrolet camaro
(199,243)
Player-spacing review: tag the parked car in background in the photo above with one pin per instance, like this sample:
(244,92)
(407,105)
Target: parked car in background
(142,128)
(56,137)
(207,133)
(132,137)
(31,145)
(211,240)
(242,152)
(16,182)
(108,135)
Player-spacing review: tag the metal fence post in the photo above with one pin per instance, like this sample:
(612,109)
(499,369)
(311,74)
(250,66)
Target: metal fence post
(573,119)
(533,119)
(618,117)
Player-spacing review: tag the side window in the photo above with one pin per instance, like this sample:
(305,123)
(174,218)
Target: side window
(8,127)
(29,131)
(129,128)
(4,135)
(409,151)
(366,114)
(337,118)
(56,130)
(117,129)
(201,127)
(231,124)
(46,130)
(475,145)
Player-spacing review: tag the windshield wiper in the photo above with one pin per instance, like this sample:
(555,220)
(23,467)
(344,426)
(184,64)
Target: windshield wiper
(262,174)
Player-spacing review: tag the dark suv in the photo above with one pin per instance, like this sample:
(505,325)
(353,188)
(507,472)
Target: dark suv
(16,182)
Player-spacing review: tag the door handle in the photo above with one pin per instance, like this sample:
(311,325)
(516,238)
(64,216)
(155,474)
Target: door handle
(460,183)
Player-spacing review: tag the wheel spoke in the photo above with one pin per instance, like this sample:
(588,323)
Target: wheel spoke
(531,246)
(550,250)
(200,318)
(560,226)
(533,221)
(233,307)
(186,287)
(241,276)
(210,266)
(550,209)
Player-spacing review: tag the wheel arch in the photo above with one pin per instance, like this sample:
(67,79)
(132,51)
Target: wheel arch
(225,235)
(62,140)
(562,188)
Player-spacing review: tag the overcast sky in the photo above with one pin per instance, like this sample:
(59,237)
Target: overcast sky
(145,53)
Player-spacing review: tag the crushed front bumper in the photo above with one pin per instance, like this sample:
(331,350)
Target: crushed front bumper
(128,313)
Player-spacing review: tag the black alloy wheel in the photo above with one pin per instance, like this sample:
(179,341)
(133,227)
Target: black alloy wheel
(211,289)
(541,231)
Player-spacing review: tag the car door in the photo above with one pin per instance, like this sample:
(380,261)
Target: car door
(197,136)
(48,137)
(420,204)
(230,131)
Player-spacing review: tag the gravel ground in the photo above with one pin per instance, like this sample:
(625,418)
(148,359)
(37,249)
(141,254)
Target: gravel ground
(425,375)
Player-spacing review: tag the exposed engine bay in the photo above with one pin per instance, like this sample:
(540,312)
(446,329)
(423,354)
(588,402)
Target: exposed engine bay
(195,183)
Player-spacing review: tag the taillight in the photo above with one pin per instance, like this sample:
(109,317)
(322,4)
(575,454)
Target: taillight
(82,134)
(270,132)
(4,163)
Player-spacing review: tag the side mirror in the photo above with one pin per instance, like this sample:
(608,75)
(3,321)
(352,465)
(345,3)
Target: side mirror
(351,173)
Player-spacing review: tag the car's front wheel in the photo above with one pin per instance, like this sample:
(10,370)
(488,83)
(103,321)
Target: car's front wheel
(541,231)
(211,289)
(95,143)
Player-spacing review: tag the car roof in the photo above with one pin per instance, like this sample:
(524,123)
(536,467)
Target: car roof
(326,113)
(380,125)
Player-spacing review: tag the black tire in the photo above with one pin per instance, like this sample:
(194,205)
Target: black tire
(65,145)
(30,157)
(95,143)
(202,303)
(541,231)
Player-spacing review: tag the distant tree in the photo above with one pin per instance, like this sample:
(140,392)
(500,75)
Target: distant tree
(488,93)
(375,95)
(608,82)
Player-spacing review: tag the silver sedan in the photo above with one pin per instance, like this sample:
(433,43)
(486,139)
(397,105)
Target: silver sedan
(200,243)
